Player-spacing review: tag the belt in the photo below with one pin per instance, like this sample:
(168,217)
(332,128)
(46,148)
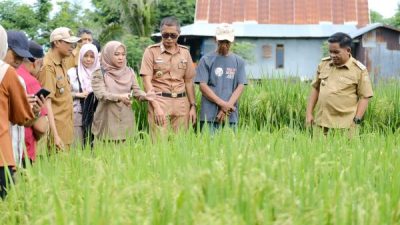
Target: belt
(173,95)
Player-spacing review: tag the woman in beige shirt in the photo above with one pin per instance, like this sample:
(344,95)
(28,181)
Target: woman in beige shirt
(114,85)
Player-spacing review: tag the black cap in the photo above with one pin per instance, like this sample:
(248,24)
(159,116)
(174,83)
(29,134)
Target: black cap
(36,51)
(18,42)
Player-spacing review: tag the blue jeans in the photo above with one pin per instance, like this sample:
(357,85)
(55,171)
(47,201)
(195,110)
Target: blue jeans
(213,127)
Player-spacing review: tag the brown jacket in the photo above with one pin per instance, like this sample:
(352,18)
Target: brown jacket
(113,120)
(14,108)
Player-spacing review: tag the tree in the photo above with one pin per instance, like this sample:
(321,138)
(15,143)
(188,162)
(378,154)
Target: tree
(184,10)
(17,16)
(245,50)
(135,48)
(395,20)
(43,9)
(376,17)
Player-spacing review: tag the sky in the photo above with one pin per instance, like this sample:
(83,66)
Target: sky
(385,7)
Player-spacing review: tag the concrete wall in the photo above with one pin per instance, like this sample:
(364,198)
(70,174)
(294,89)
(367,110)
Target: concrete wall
(301,57)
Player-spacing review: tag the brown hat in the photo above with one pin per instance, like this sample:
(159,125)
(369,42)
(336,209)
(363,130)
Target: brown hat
(64,34)
(225,32)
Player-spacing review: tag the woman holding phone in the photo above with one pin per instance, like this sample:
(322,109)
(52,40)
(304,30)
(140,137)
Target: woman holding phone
(113,85)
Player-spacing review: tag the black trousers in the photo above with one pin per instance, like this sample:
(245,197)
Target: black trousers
(5,180)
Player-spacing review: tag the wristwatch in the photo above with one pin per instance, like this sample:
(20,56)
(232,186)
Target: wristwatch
(357,120)
(193,105)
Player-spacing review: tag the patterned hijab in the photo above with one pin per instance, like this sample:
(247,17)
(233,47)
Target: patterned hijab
(3,43)
(117,79)
(85,74)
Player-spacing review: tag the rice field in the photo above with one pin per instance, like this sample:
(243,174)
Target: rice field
(271,171)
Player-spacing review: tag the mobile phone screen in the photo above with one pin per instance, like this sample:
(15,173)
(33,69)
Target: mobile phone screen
(42,92)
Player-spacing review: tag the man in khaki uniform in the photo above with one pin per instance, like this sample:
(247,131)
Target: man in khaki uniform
(53,77)
(341,89)
(167,68)
(86,37)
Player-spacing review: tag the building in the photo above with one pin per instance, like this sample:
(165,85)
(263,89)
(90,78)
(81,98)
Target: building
(377,46)
(288,35)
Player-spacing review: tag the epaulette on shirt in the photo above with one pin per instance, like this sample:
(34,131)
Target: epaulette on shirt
(359,64)
(182,46)
(326,58)
(155,45)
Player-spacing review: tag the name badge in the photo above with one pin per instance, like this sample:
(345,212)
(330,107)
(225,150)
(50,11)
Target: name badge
(159,60)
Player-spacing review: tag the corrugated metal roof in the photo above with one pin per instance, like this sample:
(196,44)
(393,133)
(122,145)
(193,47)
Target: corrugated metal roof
(270,30)
(370,27)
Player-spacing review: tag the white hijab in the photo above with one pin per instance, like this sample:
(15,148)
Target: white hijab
(3,43)
(85,74)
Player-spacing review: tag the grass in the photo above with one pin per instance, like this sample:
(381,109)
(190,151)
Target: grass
(263,177)
(272,171)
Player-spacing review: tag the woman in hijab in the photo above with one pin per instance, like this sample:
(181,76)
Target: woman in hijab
(14,108)
(114,86)
(80,78)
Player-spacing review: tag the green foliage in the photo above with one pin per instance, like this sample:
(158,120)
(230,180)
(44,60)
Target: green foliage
(68,16)
(36,22)
(136,46)
(15,16)
(376,17)
(245,50)
(275,103)
(137,16)
(325,49)
(184,10)
(44,8)
(395,20)
(113,31)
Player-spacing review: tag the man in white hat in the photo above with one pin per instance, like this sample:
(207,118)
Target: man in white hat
(53,77)
(221,76)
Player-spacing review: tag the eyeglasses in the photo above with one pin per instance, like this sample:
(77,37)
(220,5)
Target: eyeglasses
(169,35)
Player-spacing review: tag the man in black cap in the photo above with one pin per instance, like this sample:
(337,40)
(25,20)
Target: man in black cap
(29,71)
(18,48)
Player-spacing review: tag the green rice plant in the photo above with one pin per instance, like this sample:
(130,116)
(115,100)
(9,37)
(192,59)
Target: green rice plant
(248,177)
(277,102)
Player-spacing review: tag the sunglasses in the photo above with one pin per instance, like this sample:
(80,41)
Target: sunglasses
(169,35)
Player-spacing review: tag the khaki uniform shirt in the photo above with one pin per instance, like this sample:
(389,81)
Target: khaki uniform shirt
(169,70)
(53,77)
(72,60)
(340,88)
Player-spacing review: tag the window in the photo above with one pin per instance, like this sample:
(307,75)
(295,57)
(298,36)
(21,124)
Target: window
(279,56)
(267,51)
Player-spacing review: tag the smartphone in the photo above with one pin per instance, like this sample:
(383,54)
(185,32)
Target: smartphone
(42,92)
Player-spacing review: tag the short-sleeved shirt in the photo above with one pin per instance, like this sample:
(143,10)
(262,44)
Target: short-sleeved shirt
(340,88)
(53,76)
(15,109)
(169,70)
(32,87)
(222,74)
